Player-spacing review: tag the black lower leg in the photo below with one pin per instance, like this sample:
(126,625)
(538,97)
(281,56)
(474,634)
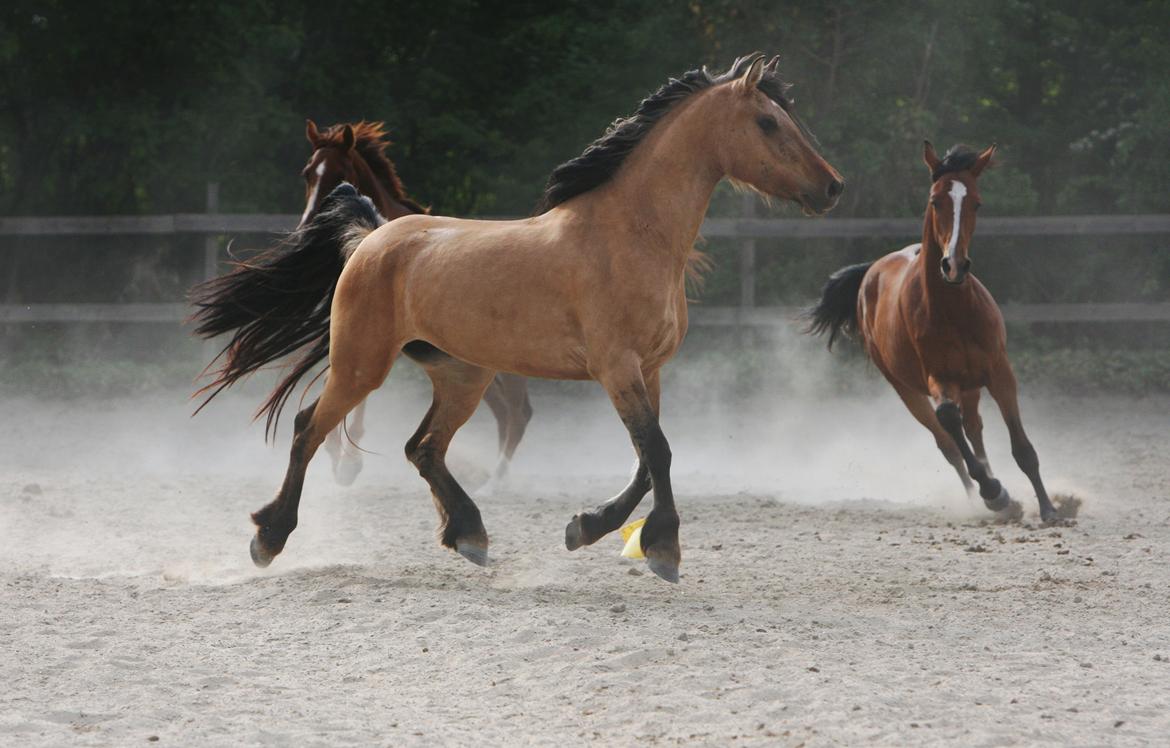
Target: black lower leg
(990,489)
(660,533)
(276,521)
(1025,456)
(587,528)
(462,527)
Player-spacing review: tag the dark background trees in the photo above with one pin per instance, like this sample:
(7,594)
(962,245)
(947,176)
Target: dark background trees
(126,106)
(131,107)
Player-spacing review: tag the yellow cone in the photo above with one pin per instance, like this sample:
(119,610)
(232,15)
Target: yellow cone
(632,534)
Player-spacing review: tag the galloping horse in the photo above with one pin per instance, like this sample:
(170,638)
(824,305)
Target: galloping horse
(936,333)
(593,287)
(356,153)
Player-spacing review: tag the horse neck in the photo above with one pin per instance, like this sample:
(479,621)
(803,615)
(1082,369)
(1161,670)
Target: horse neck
(372,187)
(663,189)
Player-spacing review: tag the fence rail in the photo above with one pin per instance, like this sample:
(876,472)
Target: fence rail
(736,228)
(748,229)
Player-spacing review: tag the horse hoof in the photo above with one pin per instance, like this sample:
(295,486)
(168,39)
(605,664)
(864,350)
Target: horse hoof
(260,555)
(664,569)
(346,470)
(476,554)
(573,538)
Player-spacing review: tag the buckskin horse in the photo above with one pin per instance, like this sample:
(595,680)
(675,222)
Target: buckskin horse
(592,287)
(935,332)
(356,153)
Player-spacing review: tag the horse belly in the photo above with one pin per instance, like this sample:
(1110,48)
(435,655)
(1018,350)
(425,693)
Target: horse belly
(498,316)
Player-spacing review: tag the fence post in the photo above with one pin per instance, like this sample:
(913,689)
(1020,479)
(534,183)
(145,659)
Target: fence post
(211,241)
(747,265)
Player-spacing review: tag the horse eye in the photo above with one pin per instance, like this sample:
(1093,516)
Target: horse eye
(767,124)
(978,206)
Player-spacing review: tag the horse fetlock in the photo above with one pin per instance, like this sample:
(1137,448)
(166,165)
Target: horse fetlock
(994,495)
(267,544)
(463,529)
(585,528)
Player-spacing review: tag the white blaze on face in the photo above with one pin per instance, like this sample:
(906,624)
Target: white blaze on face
(958,192)
(313,195)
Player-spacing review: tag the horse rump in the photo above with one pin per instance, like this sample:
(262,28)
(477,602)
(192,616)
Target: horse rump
(836,312)
(279,301)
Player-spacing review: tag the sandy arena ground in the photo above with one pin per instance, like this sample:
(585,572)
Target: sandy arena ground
(837,587)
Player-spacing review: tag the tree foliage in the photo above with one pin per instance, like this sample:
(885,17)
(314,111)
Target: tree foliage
(128,106)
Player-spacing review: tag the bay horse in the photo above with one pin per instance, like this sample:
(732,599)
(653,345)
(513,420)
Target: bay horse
(356,153)
(935,332)
(591,287)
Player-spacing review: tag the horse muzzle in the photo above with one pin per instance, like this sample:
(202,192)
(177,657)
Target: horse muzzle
(953,273)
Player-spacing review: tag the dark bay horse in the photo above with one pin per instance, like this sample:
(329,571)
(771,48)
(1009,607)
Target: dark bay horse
(936,333)
(593,287)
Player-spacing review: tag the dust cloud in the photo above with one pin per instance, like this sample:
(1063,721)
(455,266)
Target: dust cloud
(135,485)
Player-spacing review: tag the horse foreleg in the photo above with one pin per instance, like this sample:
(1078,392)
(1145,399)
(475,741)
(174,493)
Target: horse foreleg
(630,391)
(587,527)
(920,407)
(945,395)
(1004,390)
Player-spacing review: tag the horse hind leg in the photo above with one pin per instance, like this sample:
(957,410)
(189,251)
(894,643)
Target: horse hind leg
(1003,389)
(276,521)
(507,396)
(458,389)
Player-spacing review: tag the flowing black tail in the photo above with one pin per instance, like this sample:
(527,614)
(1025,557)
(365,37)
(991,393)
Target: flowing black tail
(278,302)
(837,310)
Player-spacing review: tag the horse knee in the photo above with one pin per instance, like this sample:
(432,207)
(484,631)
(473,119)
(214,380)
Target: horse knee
(949,416)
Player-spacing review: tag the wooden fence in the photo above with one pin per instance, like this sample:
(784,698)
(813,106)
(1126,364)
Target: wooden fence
(748,229)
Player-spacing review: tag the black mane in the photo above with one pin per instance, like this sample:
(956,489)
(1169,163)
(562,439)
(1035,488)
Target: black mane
(601,160)
(959,158)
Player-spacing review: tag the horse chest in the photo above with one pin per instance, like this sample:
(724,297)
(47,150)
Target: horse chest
(950,353)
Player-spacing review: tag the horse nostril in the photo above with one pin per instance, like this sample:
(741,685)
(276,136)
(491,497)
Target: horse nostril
(946,266)
(966,265)
(836,187)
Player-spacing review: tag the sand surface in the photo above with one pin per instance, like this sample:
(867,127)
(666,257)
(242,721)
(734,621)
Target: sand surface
(837,586)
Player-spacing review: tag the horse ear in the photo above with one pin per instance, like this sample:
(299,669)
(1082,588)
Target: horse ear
(312,134)
(772,66)
(347,138)
(929,157)
(750,79)
(983,160)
